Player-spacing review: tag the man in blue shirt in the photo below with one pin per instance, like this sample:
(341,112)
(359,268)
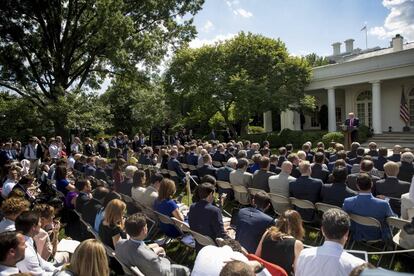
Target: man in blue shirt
(365,204)
(252,222)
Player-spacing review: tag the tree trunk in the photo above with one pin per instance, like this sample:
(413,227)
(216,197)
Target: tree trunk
(244,129)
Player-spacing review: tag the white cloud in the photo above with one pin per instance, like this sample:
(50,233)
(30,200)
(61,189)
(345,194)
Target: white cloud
(197,42)
(242,13)
(234,6)
(209,26)
(400,20)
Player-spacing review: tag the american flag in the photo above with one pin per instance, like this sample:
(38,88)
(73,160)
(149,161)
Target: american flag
(404,113)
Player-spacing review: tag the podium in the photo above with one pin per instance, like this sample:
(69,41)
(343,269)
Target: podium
(347,130)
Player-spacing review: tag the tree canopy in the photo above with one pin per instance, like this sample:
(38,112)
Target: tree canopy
(51,49)
(246,74)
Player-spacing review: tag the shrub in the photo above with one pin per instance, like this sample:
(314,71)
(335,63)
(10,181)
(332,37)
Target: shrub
(337,137)
(364,133)
(255,129)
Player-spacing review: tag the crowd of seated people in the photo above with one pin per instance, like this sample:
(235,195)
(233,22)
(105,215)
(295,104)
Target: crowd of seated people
(44,184)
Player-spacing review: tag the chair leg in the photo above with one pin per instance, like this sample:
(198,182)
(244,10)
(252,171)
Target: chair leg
(392,258)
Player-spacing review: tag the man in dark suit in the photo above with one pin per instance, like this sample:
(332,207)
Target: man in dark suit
(273,164)
(282,156)
(306,187)
(318,169)
(396,154)
(366,167)
(340,155)
(91,208)
(392,186)
(174,164)
(207,167)
(252,222)
(192,158)
(261,176)
(380,161)
(373,152)
(219,155)
(352,123)
(204,217)
(223,173)
(294,159)
(365,204)
(353,152)
(406,167)
(336,192)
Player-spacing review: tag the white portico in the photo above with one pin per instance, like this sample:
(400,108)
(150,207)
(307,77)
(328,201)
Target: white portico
(369,83)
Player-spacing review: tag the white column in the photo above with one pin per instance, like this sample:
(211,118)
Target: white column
(267,121)
(286,119)
(331,109)
(376,107)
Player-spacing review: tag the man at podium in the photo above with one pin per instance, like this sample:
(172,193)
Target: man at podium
(352,125)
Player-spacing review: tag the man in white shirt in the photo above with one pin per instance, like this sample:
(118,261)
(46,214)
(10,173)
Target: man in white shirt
(30,153)
(12,246)
(330,258)
(54,150)
(10,182)
(28,223)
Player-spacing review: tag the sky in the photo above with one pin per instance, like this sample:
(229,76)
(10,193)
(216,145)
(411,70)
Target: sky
(307,26)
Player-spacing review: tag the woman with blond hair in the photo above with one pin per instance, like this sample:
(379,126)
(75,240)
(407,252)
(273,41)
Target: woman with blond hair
(281,244)
(167,206)
(89,259)
(111,229)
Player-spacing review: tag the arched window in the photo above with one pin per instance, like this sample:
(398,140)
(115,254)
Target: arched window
(364,108)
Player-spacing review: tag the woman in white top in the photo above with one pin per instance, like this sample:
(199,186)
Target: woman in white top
(138,185)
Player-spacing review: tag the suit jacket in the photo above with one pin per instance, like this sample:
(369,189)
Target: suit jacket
(251,224)
(192,159)
(275,169)
(261,180)
(373,153)
(279,184)
(238,177)
(320,173)
(174,165)
(355,160)
(331,167)
(223,173)
(392,187)
(90,209)
(282,159)
(295,172)
(355,123)
(307,188)
(395,157)
(137,253)
(336,193)
(380,162)
(207,169)
(206,219)
(218,156)
(406,171)
(369,206)
(351,154)
(351,181)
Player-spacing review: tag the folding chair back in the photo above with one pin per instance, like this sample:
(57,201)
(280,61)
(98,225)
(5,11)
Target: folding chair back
(182,225)
(241,194)
(366,221)
(136,271)
(397,223)
(280,203)
(202,239)
(217,164)
(253,191)
(172,173)
(323,207)
(301,203)
(223,184)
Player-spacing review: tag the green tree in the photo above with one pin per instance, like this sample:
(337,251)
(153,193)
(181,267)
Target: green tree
(237,78)
(135,106)
(314,60)
(51,49)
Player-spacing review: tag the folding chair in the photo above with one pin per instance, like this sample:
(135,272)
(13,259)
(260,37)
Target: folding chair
(280,203)
(241,194)
(397,224)
(184,166)
(371,222)
(166,220)
(223,184)
(253,191)
(323,207)
(217,164)
(187,239)
(303,204)
(202,239)
(136,271)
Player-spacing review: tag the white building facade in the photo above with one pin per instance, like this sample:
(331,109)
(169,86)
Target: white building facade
(369,83)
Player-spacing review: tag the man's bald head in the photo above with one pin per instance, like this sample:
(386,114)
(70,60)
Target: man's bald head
(287,167)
